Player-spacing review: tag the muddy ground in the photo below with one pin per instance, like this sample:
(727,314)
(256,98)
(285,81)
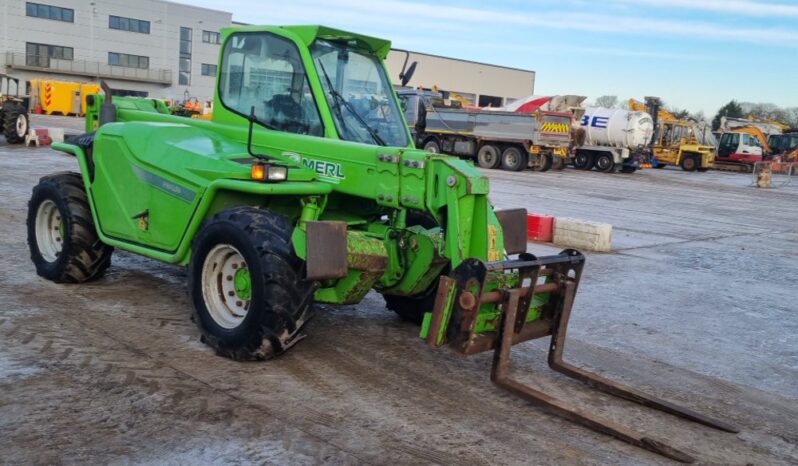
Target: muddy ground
(698,303)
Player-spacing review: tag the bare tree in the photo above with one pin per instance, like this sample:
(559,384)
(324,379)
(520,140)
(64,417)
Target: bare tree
(607,101)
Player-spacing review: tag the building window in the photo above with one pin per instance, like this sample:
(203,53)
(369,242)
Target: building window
(40,54)
(210,37)
(208,70)
(127,60)
(129,24)
(39,10)
(184,76)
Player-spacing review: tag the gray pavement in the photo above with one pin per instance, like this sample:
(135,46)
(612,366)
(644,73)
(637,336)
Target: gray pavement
(697,303)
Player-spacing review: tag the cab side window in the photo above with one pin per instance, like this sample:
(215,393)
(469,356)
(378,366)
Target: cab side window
(263,71)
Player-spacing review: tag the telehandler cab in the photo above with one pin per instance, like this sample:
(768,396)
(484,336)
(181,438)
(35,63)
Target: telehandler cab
(305,187)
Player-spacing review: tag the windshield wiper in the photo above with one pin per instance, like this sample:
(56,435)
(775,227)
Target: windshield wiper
(340,100)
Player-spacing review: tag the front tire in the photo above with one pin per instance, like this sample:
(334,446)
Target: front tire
(246,283)
(689,163)
(412,308)
(63,242)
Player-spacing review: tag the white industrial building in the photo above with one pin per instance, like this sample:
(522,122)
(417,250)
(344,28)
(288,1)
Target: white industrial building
(160,48)
(165,49)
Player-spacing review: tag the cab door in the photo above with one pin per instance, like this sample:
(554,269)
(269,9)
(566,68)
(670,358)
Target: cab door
(727,147)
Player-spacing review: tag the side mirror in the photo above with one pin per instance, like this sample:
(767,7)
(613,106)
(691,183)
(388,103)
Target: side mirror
(405,76)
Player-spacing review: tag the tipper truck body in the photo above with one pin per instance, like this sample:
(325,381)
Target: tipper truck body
(510,140)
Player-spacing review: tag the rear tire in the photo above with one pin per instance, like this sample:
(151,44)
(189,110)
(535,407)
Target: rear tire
(63,242)
(557,163)
(689,163)
(548,162)
(246,283)
(513,159)
(488,156)
(432,146)
(15,123)
(583,161)
(628,169)
(604,163)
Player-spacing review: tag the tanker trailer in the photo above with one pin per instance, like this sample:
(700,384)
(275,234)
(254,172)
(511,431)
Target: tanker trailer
(615,139)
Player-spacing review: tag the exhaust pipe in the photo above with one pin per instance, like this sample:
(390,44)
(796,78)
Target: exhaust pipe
(107,109)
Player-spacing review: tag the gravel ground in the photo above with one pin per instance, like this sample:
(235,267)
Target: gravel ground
(696,304)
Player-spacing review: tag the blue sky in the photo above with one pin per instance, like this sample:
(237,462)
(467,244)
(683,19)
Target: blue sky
(695,54)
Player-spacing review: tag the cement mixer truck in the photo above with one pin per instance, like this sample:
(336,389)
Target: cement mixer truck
(615,139)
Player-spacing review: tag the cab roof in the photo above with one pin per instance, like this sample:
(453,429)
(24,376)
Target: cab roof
(308,34)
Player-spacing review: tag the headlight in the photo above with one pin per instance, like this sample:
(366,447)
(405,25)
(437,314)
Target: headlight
(263,172)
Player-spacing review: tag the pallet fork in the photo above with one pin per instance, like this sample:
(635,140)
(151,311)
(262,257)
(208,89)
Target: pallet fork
(461,294)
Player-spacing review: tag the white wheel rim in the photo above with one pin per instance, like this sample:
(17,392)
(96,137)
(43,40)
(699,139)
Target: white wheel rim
(222,299)
(432,148)
(22,125)
(49,231)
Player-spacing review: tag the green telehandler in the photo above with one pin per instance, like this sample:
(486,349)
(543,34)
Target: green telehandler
(305,187)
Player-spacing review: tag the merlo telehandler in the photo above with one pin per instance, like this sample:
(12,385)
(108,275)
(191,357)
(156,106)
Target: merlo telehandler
(305,187)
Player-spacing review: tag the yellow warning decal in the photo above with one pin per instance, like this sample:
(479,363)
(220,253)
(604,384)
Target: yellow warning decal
(494,254)
(553,127)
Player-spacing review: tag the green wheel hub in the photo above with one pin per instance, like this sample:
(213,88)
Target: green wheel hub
(243,283)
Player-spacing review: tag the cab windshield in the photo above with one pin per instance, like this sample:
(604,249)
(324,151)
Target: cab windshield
(359,94)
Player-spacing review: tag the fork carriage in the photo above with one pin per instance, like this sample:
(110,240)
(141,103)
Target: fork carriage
(535,297)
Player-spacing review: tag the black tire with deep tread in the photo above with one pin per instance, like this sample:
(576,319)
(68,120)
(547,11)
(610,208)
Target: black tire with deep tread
(282,300)
(12,111)
(83,256)
(412,308)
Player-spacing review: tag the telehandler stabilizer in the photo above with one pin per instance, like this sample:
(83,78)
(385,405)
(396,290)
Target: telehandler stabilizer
(305,186)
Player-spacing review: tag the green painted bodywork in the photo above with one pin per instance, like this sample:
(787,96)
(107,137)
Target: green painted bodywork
(153,178)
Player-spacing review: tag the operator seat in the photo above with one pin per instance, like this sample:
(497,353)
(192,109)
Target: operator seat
(284,112)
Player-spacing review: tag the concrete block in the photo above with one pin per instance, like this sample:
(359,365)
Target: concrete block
(581,234)
(56,134)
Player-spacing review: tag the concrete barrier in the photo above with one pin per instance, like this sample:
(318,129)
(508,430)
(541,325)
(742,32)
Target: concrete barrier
(581,234)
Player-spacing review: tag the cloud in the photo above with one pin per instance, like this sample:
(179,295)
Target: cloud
(740,7)
(410,14)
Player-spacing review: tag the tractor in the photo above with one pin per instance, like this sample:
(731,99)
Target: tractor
(13,111)
(305,187)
